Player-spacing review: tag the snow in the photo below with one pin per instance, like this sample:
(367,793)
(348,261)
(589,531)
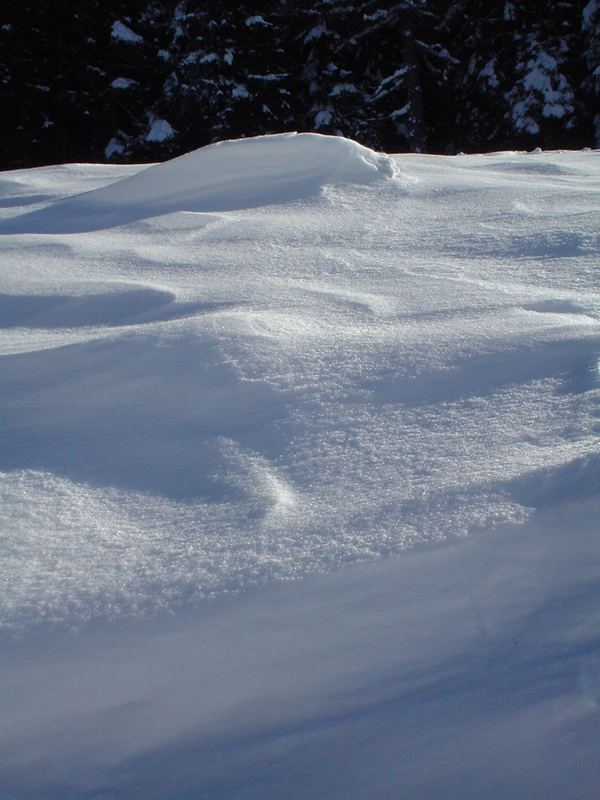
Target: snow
(343,88)
(541,78)
(160,130)
(488,73)
(114,147)
(299,476)
(316,33)
(121,32)
(323,118)
(123,83)
(224,176)
(240,92)
(251,22)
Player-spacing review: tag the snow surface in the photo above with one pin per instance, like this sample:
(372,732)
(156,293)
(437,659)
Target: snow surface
(286,356)
(220,177)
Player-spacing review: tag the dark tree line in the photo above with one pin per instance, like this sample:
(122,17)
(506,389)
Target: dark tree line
(140,80)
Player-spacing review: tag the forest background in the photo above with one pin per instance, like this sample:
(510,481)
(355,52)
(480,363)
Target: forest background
(141,80)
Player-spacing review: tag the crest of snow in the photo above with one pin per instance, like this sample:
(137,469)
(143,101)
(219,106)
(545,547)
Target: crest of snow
(229,175)
(160,131)
(209,58)
(240,92)
(124,34)
(316,32)
(323,118)
(343,88)
(122,83)
(113,148)
(228,57)
(164,54)
(256,20)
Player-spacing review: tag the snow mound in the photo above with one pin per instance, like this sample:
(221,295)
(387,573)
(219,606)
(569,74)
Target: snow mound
(224,176)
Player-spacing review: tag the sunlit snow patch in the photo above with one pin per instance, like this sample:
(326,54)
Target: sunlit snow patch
(221,177)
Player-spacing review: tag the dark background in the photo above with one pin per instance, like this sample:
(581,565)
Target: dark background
(440,76)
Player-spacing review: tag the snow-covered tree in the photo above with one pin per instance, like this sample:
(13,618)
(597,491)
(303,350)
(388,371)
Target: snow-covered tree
(590,24)
(409,67)
(520,62)
(542,98)
(371,68)
(137,66)
(331,88)
(148,79)
(229,71)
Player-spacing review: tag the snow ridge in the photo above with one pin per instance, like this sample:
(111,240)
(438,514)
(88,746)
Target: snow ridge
(225,176)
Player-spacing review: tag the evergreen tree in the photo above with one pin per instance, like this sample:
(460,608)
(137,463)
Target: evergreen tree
(332,96)
(373,67)
(543,106)
(408,73)
(137,67)
(229,72)
(139,80)
(590,25)
(52,82)
(520,68)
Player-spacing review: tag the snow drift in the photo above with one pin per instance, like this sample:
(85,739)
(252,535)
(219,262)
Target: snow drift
(225,176)
(204,404)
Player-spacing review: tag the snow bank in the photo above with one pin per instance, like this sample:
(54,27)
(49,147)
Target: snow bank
(225,176)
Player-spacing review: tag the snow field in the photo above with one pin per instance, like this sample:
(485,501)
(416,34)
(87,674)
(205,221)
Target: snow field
(282,356)
(291,387)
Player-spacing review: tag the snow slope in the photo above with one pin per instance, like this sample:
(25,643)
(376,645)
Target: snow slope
(221,177)
(282,356)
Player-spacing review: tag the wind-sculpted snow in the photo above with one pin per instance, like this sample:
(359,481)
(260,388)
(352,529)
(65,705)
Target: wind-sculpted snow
(221,177)
(319,369)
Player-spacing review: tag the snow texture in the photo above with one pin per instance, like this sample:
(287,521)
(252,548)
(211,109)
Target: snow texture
(279,357)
